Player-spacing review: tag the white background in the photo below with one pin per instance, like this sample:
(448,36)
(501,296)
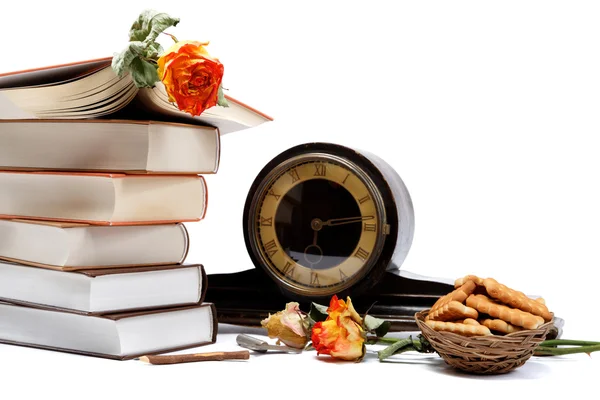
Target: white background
(487,110)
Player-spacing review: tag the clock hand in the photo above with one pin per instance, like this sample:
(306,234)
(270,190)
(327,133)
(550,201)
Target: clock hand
(347,220)
(315,224)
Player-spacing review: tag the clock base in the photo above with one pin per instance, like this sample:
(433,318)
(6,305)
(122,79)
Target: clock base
(247,297)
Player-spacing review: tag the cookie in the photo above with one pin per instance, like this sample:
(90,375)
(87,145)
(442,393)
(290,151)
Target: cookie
(460,295)
(459,328)
(461,281)
(453,310)
(516,299)
(485,305)
(500,326)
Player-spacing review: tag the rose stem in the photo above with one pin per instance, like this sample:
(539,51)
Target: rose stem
(555,351)
(567,342)
(400,346)
(183,358)
(172,37)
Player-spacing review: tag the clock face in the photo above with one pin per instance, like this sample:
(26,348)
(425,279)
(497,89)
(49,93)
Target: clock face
(318,225)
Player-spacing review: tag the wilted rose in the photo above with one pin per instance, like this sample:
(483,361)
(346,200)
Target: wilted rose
(191,76)
(289,326)
(341,335)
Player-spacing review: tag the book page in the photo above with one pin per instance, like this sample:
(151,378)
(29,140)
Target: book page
(11,111)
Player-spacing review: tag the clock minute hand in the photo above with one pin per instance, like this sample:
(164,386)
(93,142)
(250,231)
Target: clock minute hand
(347,220)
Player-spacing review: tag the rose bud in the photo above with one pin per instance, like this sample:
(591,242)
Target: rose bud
(289,326)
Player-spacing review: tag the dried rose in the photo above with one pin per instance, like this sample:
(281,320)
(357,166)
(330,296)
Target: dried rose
(341,335)
(289,326)
(191,76)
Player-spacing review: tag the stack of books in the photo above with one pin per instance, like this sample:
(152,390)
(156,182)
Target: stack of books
(97,179)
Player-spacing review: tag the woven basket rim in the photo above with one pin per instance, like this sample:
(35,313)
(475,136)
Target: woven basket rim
(420,318)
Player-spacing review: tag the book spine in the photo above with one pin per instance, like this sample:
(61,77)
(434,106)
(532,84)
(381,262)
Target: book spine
(186,237)
(203,282)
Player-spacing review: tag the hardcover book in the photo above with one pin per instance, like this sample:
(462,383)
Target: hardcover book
(69,246)
(118,336)
(102,199)
(105,290)
(101,145)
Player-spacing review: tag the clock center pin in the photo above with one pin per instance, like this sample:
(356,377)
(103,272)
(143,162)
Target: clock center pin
(316,224)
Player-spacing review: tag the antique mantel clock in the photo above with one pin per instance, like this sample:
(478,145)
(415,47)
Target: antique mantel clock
(323,219)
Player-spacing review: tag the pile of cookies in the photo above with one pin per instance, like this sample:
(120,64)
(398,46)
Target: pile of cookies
(483,307)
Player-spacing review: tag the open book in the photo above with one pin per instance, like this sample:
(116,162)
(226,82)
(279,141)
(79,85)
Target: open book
(91,89)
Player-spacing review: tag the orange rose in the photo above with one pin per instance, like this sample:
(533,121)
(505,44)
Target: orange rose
(341,335)
(191,76)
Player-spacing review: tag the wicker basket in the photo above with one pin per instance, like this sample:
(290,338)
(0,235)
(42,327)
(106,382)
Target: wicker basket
(484,354)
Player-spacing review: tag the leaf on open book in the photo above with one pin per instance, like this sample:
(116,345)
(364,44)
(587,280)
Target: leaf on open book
(142,51)
(122,61)
(149,25)
(143,73)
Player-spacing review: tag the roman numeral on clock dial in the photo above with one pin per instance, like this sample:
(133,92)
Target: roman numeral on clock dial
(320,170)
(362,254)
(266,221)
(288,269)
(294,174)
(272,193)
(314,279)
(343,276)
(271,248)
(370,227)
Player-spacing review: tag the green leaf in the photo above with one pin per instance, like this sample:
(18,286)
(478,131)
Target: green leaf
(307,324)
(383,329)
(424,345)
(149,25)
(318,312)
(122,61)
(153,50)
(379,326)
(144,74)
(142,49)
(221,100)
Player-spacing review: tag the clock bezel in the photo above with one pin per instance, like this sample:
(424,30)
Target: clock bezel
(378,188)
